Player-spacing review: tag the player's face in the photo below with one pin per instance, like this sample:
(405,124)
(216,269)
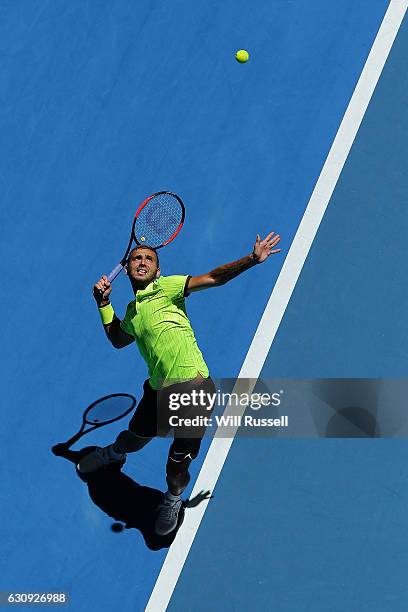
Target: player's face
(142,266)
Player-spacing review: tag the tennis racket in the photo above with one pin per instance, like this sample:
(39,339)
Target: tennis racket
(156,223)
(105,410)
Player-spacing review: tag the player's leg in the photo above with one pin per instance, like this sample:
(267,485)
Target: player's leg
(181,454)
(129,442)
(142,426)
(182,451)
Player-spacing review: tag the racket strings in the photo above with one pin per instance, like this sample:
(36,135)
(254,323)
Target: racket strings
(158,220)
(108,409)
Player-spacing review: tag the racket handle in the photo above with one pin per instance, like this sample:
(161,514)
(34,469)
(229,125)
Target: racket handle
(59,449)
(115,272)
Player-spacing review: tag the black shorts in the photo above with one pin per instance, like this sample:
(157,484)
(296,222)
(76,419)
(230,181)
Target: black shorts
(154,413)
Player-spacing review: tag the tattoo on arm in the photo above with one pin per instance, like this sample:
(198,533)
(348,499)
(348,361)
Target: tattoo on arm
(224,273)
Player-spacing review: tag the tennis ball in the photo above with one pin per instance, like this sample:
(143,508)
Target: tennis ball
(117,527)
(242,56)
(142,238)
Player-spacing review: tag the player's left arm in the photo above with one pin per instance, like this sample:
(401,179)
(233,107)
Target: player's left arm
(221,275)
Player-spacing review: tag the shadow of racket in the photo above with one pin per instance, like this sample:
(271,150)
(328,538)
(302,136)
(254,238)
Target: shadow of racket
(104,411)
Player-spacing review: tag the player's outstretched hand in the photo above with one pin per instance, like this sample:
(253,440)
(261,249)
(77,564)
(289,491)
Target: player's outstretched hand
(102,290)
(264,248)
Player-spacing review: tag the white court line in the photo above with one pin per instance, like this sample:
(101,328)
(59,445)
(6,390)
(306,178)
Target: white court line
(282,292)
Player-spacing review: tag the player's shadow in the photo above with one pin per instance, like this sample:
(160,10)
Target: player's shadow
(126,501)
(352,422)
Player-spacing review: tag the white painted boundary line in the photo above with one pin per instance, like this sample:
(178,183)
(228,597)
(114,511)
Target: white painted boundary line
(282,292)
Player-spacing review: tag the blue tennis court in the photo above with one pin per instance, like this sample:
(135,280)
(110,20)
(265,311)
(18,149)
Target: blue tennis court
(105,103)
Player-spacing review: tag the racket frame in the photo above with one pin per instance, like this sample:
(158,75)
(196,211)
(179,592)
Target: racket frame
(83,431)
(118,269)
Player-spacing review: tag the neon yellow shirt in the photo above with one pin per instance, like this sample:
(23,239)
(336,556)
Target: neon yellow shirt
(158,321)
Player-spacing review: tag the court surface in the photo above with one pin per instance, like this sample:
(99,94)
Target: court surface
(104,103)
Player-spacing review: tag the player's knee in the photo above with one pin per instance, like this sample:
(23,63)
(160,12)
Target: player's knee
(130,442)
(184,450)
(178,465)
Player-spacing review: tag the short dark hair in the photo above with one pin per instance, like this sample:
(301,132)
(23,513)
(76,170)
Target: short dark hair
(145,246)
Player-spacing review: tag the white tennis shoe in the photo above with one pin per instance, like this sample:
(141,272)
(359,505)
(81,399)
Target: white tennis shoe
(98,458)
(167,517)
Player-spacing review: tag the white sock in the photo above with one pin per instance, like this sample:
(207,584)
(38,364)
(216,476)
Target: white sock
(113,453)
(172,497)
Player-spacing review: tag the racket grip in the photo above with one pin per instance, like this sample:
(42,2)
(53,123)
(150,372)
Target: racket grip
(115,272)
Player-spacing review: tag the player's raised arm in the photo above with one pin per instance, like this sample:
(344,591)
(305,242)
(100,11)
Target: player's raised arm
(111,324)
(221,275)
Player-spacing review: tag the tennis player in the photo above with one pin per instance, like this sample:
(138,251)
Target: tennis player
(157,320)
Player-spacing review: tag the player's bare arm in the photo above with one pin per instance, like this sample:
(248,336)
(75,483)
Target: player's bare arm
(221,275)
(118,338)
